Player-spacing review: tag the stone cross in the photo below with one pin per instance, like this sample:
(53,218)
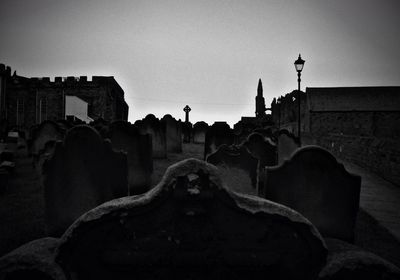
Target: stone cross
(187,110)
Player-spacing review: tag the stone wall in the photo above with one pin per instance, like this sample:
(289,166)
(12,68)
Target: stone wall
(379,155)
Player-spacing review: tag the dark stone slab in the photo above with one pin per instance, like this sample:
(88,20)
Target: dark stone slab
(199,132)
(346,261)
(262,148)
(173,131)
(46,131)
(83,173)
(191,227)
(217,134)
(238,168)
(152,125)
(287,145)
(313,183)
(126,137)
(187,132)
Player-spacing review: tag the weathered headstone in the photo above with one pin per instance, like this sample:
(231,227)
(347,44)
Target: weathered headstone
(101,125)
(173,131)
(313,183)
(237,167)
(45,154)
(262,148)
(126,137)
(217,134)
(346,261)
(190,226)
(152,125)
(287,144)
(46,131)
(83,173)
(199,132)
(187,131)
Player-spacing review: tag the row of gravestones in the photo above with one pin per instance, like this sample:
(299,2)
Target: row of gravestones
(307,179)
(83,170)
(192,226)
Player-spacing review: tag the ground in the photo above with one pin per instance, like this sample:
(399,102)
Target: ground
(22,206)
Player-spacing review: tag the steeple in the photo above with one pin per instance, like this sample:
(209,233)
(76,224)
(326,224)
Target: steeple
(260,102)
(259,88)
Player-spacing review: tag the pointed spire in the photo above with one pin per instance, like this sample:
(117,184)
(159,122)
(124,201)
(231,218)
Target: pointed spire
(259,88)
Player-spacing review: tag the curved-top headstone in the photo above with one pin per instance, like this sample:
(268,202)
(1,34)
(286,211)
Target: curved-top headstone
(262,148)
(346,261)
(125,136)
(199,132)
(46,131)
(237,167)
(287,145)
(190,226)
(173,131)
(83,173)
(152,125)
(101,125)
(313,183)
(217,134)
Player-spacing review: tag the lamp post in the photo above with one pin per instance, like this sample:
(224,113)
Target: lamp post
(299,64)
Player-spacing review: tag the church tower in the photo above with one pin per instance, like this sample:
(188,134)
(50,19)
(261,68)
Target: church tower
(260,101)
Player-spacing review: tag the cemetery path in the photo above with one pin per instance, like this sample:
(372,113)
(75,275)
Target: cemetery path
(378,223)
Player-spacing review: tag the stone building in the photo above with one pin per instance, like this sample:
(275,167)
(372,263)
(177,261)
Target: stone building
(359,124)
(28,101)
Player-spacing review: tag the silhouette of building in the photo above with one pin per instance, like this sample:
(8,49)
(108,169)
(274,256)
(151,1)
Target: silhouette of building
(260,101)
(28,101)
(359,124)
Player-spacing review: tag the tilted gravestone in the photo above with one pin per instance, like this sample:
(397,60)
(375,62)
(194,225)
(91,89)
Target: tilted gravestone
(83,173)
(190,226)
(173,131)
(46,131)
(313,183)
(262,148)
(237,167)
(126,137)
(152,125)
(287,144)
(217,134)
(199,132)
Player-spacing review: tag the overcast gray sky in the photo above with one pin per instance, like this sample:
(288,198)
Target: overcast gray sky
(207,54)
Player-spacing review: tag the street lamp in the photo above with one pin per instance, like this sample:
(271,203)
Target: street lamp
(299,64)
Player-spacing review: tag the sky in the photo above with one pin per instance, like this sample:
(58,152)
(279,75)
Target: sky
(166,54)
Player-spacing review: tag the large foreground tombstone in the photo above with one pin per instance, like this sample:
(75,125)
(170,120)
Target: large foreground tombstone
(237,167)
(287,144)
(173,131)
(152,125)
(313,183)
(217,134)
(262,148)
(126,137)
(83,173)
(190,226)
(46,131)
(199,132)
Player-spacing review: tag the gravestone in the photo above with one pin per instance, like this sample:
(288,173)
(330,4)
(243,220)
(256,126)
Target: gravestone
(346,261)
(313,183)
(83,173)
(101,125)
(198,229)
(237,167)
(45,154)
(187,131)
(126,137)
(217,134)
(199,132)
(46,131)
(152,125)
(262,148)
(173,131)
(287,144)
